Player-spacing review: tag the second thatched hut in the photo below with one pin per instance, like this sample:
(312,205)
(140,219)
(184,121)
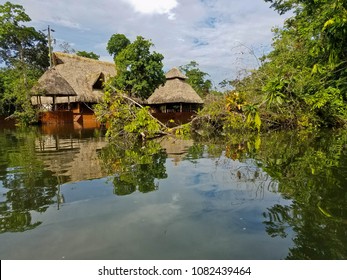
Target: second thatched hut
(176,101)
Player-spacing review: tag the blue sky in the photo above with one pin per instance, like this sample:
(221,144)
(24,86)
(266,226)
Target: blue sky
(218,34)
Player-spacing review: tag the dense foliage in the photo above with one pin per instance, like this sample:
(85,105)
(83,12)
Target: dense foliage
(139,71)
(15,84)
(302,82)
(25,53)
(18,42)
(117,43)
(126,120)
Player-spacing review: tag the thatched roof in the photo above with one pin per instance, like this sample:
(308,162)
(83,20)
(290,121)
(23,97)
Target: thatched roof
(79,73)
(175,90)
(175,73)
(53,84)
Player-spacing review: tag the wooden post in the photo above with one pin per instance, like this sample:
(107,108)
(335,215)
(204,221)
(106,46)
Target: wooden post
(54,105)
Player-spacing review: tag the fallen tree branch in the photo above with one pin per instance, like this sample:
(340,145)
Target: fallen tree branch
(138,104)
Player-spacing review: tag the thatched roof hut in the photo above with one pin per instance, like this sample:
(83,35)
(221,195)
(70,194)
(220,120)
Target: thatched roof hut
(73,79)
(175,90)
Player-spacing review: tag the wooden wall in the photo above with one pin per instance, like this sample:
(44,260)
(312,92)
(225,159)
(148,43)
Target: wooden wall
(56,117)
(69,117)
(174,118)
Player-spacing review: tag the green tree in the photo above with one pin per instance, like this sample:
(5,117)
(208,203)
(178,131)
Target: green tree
(197,78)
(15,84)
(117,43)
(25,53)
(283,6)
(88,55)
(139,71)
(19,42)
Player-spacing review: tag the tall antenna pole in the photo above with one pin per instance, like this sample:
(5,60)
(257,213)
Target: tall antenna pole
(50,46)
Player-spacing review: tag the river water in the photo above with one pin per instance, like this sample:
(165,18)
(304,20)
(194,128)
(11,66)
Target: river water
(69,194)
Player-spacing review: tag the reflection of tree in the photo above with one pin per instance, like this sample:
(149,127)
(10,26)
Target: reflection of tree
(29,186)
(12,221)
(309,171)
(135,167)
(236,146)
(195,152)
(276,224)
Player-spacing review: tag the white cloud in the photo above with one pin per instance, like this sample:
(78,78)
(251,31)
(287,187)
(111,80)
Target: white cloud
(154,6)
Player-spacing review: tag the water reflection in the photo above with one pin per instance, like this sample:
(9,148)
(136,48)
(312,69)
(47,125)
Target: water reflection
(278,195)
(176,149)
(33,166)
(25,185)
(64,156)
(311,170)
(135,167)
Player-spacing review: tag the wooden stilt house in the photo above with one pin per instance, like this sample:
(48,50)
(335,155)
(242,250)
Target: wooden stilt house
(68,91)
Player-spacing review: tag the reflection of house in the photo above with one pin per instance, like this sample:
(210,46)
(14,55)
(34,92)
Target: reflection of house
(176,149)
(67,92)
(71,159)
(176,100)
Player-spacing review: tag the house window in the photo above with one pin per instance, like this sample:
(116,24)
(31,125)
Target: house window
(99,83)
(162,109)
(170,108)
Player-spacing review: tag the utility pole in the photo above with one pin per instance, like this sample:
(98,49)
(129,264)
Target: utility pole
(49,30)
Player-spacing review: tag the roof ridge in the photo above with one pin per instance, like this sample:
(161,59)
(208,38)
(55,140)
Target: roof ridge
(174,73)
(77,57)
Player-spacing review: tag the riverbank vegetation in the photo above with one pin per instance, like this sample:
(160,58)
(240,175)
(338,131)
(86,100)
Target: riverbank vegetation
(301,83)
